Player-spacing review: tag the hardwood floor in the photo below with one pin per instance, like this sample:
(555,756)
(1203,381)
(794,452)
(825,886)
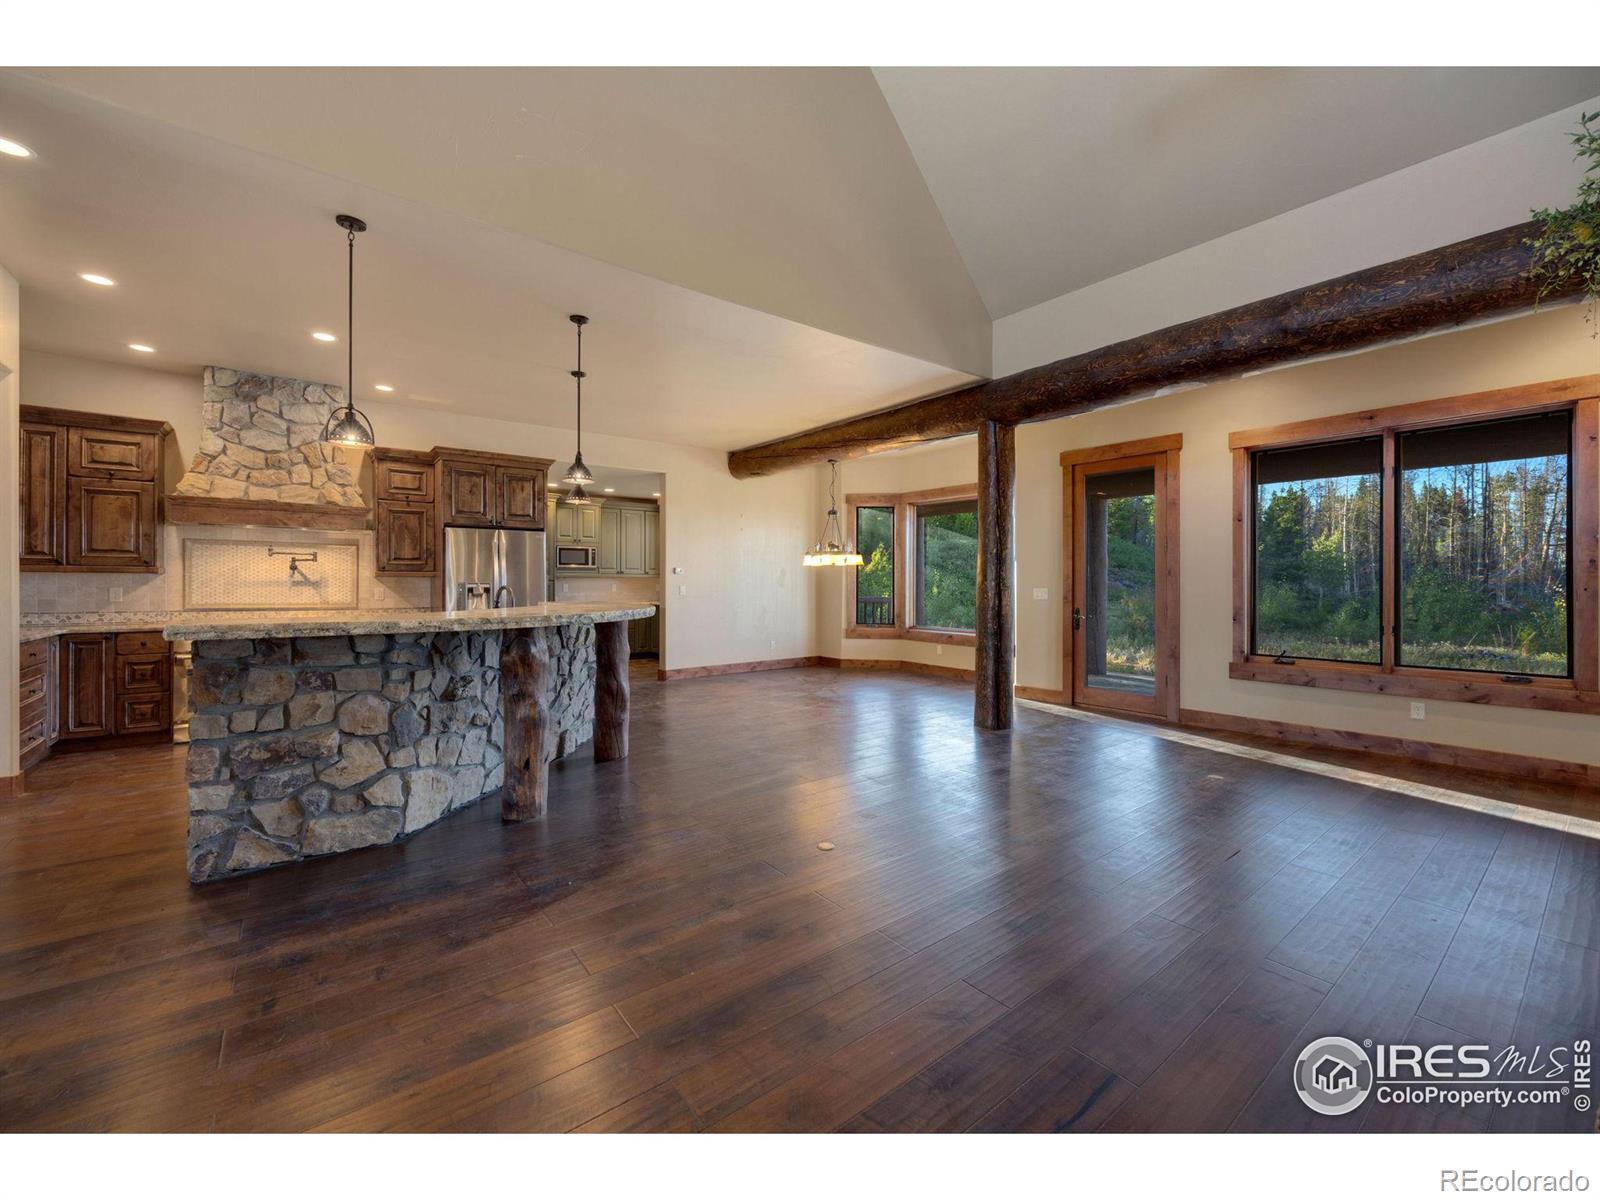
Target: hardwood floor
(1073,926)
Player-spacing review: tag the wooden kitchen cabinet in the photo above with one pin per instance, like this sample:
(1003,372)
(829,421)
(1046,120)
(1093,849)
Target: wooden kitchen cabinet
(491,491)
(405,517)
(88,688)
(468,493)
(407,539)
(111,524)
(519,493)
(42,466)
(36,694)
(416,493)
(89,487)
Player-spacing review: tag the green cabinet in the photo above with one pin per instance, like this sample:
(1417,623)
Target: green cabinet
(627,535)
(610,557)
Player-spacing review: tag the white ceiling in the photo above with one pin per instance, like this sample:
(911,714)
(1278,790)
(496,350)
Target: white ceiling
(1051,179)
(758,249)
(789,191)
(230,257)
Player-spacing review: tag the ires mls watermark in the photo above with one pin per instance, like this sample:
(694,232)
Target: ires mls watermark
(1335,1075)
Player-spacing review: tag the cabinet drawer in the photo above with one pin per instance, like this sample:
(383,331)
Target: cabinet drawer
(37,709)
(144,714)
(144,642)
(396,480)
(33,736)
(31,686)
(101,453)
(147,673)
(34,654)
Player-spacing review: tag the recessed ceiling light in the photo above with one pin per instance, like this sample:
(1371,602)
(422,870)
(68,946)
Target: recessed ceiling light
(608,489)
(14,149)
(657,495)
(383,387)
(141,348)
(323,336)
(97,280)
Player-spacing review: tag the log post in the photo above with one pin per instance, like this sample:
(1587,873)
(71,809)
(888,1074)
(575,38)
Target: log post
(524,676)
(997,470)
(610,690)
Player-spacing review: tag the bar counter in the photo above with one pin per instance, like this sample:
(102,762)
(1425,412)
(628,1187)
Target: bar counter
(323,732)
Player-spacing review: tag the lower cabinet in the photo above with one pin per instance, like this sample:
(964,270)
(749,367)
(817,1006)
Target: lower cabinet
(37,692)
(644,635)
(83,686)
(87,686)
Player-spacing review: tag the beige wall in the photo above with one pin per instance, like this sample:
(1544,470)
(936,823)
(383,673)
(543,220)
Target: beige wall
(10,602)
(1550,345)
(733,548)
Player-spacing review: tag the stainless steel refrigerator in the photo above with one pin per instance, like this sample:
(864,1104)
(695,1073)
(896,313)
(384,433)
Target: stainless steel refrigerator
(492,568)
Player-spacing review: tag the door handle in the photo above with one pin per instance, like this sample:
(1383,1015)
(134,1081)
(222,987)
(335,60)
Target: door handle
(1077,618)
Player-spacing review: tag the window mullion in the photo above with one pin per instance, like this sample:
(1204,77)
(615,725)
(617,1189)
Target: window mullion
(1389,555)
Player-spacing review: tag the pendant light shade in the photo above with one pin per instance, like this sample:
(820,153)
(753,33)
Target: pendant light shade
(348,426)
(578,473)
(831,549)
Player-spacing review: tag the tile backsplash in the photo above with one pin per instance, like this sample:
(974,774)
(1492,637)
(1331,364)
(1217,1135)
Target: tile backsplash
(71,592)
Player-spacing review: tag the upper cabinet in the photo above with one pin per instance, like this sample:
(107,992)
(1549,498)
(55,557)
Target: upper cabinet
(627,533)
(489,490)
(89,486)
(416,493)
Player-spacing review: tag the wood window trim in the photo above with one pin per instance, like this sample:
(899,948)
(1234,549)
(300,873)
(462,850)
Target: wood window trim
(1580,693)
(1161,453)
(905,506)
(889,500)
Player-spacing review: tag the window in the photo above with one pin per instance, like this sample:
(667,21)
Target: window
(947,565)
(1483,546)
(1318,537)
(1426,550)
(919,580)
(874,598)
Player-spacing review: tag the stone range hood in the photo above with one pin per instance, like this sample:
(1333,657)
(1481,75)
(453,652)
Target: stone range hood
(261,460)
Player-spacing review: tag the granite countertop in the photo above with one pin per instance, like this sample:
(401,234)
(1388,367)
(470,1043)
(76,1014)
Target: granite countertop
(212,626)
(33,626)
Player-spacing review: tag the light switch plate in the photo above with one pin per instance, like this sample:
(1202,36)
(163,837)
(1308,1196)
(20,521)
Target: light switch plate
(1041,593)
(683,589)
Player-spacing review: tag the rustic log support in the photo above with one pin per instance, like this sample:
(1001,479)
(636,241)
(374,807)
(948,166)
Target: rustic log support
(611,691)
(524,679)
(1467,281)
(997,472)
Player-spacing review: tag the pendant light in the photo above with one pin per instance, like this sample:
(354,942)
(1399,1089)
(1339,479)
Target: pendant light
(831,549)
(348,426)
(578,474)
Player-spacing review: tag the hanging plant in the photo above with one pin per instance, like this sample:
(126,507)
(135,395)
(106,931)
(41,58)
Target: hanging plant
(1566,250)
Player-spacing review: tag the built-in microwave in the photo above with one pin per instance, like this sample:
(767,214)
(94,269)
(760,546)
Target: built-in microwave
(577,558)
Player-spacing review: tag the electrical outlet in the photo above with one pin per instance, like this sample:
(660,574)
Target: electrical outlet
(1419,710)
(1041,593)
(939,650)
(772,643)
(683,589)
(114,594)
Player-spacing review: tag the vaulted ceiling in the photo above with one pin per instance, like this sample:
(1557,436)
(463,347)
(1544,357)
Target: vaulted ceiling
(1051,179)
(761,250)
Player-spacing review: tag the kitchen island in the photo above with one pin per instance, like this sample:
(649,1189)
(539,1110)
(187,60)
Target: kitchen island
(321,732)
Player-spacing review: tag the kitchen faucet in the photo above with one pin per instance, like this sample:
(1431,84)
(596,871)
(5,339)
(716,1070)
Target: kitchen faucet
(506,588)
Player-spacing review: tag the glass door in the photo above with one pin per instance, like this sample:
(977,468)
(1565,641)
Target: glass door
(1119,620)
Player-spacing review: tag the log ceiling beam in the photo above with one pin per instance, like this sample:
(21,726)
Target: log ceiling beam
(1468,281)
